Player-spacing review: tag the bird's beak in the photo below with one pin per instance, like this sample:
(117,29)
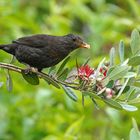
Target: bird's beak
(84,45)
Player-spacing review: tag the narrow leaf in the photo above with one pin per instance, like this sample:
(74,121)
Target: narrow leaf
(121,51)
(105,81)
(135,126)
(118,72)
(86,62)
(134,135)
(112,103)
(31,78)
(134,101)
(63,74)
(49,80)
(134,61)
(125,62)
(110,84)
(95,103)
(110,70)
(100,65)
(112,56)
(129,107)
(135,41)
(63,65)
(70,93)
(83,99)
(130,75)
(9,82)
(122,89)
(93,95)
(51,69)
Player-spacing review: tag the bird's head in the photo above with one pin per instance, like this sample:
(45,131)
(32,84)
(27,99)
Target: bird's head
(75,42)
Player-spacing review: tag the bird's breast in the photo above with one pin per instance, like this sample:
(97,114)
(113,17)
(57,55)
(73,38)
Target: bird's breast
(40,57)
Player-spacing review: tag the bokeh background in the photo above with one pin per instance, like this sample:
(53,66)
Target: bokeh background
(43,112)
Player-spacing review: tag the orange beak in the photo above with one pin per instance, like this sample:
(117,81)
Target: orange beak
(84,45)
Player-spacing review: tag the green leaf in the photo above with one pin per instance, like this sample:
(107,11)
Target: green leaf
(130,75)
(94,102)
(134,61)
(135,125)
(9,82)
(63,74)
(86,62)
(31,78)
(118,72)
(134,135)
(92,94)
(137,83)
(121,51)
(1,84)
(105,81)
(130,94)
(50,80)
(110,70)
(51,69)
(83,99)
(134,101)
(129,107)
(112,56)
(110,84)
(122,88)
(112,103)
(63,65)
(74,128)
(135,41)
(100,65)
(70,93)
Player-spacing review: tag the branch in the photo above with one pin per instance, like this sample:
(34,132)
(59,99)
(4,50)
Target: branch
(40,74)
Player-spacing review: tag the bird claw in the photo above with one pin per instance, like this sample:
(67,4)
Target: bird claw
(30,69)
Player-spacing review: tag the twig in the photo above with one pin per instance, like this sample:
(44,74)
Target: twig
(19,70)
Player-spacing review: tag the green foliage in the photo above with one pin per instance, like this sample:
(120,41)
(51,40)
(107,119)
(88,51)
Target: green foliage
(112,56)
(113,103)
(121,51)
(134,61)
(63,65)
(74,129)
(134,133)
(31,78)
(43,112)
(51,81)
(9,82)
(70,93)
(135,42)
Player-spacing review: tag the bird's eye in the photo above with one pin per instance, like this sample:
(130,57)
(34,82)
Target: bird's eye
(74,39)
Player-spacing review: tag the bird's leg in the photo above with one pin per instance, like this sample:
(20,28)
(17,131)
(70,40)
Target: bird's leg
(30,69)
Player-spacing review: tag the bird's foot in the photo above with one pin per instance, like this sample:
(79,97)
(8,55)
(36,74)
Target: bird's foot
(30,69)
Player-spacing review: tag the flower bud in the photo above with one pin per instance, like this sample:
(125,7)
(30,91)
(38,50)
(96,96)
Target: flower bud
(108,93)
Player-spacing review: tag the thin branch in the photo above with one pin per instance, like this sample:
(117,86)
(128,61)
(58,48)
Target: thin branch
(41,74)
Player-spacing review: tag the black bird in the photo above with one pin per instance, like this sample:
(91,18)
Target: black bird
(43,51)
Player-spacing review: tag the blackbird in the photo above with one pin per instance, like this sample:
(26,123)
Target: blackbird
(42,51)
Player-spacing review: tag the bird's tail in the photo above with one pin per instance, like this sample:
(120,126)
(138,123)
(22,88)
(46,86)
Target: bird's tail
(9,48)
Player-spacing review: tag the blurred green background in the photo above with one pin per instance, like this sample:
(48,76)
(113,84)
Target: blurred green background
(43,112)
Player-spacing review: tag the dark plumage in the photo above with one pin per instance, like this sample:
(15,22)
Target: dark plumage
(42,51)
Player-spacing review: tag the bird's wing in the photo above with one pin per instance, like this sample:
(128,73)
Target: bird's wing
(40,40)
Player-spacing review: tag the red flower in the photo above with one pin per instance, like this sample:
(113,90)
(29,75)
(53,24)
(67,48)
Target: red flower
(84,72)
(103,71)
